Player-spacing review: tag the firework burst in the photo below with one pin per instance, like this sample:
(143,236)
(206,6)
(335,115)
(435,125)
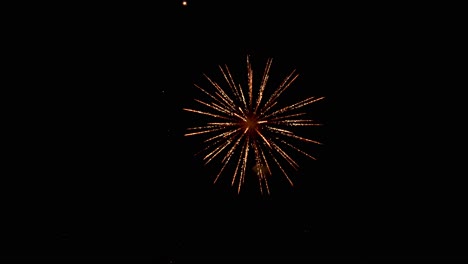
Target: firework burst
(248,127)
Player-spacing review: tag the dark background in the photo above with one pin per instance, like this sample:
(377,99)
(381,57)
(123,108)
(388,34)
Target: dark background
(99,168)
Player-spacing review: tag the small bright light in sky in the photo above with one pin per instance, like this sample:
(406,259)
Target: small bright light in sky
(184,3)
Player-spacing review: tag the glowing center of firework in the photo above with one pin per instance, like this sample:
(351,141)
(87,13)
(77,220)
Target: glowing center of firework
(251,123)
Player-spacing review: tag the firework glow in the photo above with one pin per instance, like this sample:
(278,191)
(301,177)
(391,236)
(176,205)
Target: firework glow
(248,127)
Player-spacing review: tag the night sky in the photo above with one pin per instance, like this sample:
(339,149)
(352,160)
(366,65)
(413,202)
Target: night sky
(102,170)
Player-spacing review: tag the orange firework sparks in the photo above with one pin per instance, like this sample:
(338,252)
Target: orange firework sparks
(248,125)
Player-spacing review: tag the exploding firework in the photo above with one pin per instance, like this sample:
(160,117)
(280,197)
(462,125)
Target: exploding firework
(248,126)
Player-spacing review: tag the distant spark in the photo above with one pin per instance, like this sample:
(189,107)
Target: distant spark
(248,127)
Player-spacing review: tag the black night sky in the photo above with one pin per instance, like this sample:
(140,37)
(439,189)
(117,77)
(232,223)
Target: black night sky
(102,170)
